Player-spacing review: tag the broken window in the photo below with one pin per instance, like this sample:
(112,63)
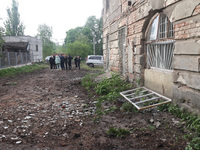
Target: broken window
(160,43)
(143,98)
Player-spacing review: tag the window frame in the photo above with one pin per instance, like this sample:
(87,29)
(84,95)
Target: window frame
(167,39)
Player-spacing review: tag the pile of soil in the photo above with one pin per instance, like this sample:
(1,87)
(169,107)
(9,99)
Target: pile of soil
(49,109)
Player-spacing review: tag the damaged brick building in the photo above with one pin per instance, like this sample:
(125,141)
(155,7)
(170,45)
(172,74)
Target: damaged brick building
(156,43)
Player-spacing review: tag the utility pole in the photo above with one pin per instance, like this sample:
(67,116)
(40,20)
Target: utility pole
(94,43)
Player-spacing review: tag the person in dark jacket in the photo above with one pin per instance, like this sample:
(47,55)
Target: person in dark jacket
(70,61)
(75,61)
(78,62)
(62,61)
(65,60)
(51,62)
(54,63)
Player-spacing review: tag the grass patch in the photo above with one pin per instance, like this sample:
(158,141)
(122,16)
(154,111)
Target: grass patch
(14,71)
(128,107)
(192,122)
(95,68)
(117,132)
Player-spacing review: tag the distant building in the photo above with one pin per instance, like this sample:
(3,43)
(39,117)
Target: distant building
(28,44)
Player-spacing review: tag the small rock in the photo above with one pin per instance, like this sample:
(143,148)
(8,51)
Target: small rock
(157,124)
(151,120)
(27,117)
(1,122)
(18,142)
(5,128)
(76,96)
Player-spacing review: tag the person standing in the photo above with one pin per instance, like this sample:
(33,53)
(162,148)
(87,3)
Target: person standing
(65,61)
(70,61)
(57,61)
(62,61)
(51,62)
(75,61)
(78,62)
(54,63)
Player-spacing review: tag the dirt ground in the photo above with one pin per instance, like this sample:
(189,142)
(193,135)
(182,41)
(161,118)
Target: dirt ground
(46,110)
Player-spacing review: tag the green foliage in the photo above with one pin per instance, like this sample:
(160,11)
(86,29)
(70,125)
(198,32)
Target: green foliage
(96,28)
(128,107)
(79,48)
(192,122)
(45,34)
(112,86)
(88,82)
(13,25)
(117,132)
(14,71)
(194,144)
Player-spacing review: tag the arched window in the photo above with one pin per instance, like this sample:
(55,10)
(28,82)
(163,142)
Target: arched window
(160,43)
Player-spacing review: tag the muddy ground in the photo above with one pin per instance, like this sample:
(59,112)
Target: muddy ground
(48,109)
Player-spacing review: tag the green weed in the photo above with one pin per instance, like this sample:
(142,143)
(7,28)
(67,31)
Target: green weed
(128,107)
(23,69)
(117,132)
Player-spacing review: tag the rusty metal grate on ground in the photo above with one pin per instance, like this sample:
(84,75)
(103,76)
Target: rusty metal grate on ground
(143,98)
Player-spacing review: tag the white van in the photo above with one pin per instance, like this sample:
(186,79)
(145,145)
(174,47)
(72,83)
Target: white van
(94,60)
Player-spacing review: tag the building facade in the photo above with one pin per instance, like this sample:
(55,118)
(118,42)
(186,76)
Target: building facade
(156,44)
(28,44)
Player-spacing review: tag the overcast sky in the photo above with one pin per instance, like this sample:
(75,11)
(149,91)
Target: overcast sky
(62,15)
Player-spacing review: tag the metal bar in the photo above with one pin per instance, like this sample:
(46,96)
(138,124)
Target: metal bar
(154,105)
(158,94)
(134,93)
(141,96)
(130,101)
(147,100)
(130,90)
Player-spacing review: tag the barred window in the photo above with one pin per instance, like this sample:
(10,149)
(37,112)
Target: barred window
(160,43)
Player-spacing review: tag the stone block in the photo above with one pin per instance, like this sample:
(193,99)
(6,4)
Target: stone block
(157,4)
(186,95)
(183,62)
(159,81)
(113,36)
(139,59)
(187,47)
(114,27)
(114,44)
(190,79)
(184,9)
(137,68)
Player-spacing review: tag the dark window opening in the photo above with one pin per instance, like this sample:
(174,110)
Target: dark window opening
(36,48)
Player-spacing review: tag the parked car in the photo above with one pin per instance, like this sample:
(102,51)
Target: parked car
(94,60)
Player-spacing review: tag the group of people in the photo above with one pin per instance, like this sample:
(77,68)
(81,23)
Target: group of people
(62,62)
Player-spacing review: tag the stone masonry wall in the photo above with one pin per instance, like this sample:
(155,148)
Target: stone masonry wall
(185,15)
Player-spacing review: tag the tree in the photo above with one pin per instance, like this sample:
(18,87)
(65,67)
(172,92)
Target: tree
(13,25)
(45,34)
(78,48)
(96,27)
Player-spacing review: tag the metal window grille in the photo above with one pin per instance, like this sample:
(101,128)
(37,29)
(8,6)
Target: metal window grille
(171,30)
(8,59)
(160,55)
(143,98)
(163,26)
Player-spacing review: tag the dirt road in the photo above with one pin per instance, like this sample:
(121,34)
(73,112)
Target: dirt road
(48,109)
